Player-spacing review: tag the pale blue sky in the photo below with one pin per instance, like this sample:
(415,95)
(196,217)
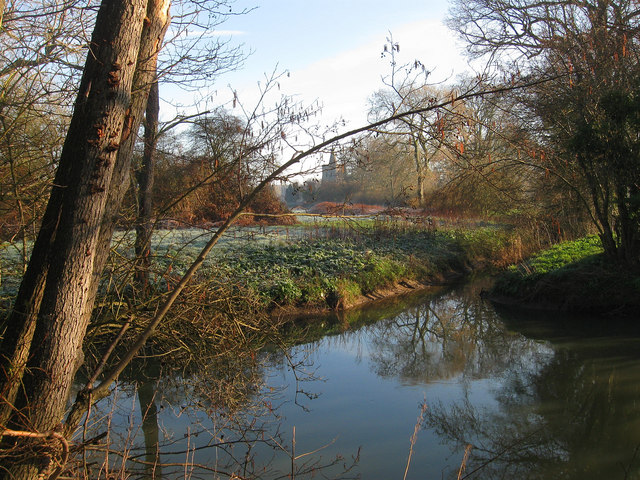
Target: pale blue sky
(332,49)
(296,33)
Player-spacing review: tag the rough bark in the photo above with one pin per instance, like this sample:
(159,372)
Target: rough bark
(156,23)
(14,350)
(57,285)
(100,124)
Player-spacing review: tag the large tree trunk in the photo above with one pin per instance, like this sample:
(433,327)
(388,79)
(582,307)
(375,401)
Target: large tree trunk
(14,350)
(58,290)
(143,48)
(156,23)
(100,124)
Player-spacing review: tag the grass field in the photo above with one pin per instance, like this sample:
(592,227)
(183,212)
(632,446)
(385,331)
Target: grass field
(322,260)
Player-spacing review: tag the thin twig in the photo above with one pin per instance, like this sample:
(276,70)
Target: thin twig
(293,454)
(108,353)
(465,458)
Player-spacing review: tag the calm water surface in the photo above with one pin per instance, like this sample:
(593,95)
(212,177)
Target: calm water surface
(525,395)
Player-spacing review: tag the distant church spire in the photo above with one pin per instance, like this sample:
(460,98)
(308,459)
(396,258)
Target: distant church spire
(332,172)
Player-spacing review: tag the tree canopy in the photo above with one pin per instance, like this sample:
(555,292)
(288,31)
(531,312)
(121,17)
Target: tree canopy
(584,123)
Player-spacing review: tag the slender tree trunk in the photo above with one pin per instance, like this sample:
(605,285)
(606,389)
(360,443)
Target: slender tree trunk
(145,186)
(627,227)
(419,171)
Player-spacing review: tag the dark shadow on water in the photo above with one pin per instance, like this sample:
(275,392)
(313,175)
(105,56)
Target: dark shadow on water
(570,413)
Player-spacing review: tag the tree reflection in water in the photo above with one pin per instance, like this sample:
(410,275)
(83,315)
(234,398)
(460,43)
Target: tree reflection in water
(218,403)
(534,401)
(208,422)
(569,409)
(451,335)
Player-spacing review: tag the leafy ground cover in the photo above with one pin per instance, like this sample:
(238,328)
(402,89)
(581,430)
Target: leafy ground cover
(337,268)
(312,265)
(255,270)
(572,275)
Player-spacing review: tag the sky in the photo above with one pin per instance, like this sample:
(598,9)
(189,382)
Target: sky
(332,49)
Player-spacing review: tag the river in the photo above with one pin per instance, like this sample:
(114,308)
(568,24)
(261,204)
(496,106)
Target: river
(466,390)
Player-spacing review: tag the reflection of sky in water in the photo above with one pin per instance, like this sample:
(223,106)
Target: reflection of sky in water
(379,413)
(481,381)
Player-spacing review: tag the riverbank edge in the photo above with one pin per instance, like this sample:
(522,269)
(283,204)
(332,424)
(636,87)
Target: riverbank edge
(396,290)
(303,278)
(569,277)
(447,274)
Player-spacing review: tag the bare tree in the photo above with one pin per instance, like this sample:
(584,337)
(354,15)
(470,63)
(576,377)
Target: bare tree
(191,58)
(587,119)
(41,44)
(425,134)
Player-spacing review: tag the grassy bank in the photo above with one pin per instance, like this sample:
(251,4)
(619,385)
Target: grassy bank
(255,272)
(338,272)
(571,276)
(304,266)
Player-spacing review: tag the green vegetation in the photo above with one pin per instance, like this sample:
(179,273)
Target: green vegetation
(259,280)
(561,255)
(310,265)
(331,263)
(313,272)
(574,276)
(335,272)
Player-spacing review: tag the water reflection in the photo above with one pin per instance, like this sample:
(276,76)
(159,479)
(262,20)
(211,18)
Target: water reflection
(536,396)
(574,414)
(448,336)
(164,422)
(150,428)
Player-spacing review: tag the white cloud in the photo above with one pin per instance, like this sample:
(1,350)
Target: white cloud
(344,83)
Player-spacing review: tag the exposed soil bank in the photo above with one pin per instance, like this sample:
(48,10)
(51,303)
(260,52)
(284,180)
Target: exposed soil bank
(402,288)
